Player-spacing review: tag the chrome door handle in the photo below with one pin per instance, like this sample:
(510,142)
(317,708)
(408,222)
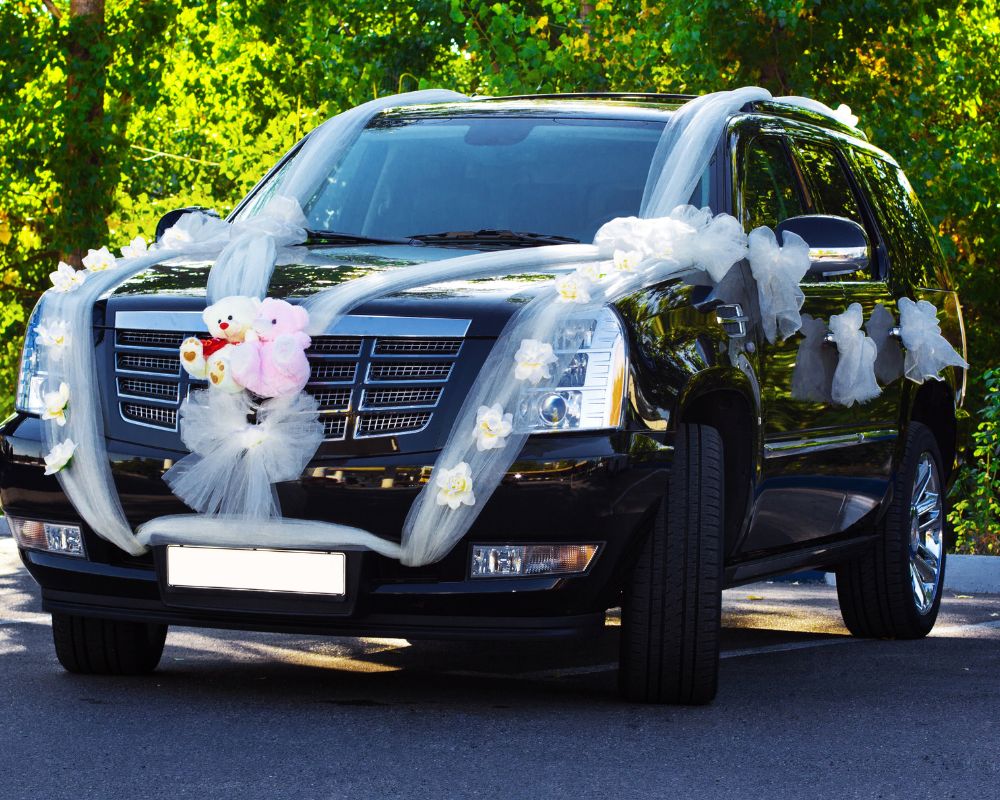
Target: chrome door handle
(733,320)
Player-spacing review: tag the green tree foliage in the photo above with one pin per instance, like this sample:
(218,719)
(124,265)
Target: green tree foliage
(976,514)
(115,111)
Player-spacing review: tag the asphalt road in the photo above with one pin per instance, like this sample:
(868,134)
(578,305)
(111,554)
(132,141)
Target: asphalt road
(804,711)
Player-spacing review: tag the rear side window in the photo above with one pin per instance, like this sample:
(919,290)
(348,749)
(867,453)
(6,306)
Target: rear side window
(826,182)
(770,192)
(912,242)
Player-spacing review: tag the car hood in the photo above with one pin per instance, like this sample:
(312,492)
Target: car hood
(302,271)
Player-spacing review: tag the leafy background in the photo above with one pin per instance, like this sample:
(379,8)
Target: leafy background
(115,111)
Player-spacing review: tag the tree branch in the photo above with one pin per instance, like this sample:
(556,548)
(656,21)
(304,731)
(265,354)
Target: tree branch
(55,12)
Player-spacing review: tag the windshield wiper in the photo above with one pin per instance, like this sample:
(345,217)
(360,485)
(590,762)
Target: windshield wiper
(336,237)
(494,237)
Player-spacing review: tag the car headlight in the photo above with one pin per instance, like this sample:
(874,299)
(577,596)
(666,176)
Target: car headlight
(30,379)
(590,394)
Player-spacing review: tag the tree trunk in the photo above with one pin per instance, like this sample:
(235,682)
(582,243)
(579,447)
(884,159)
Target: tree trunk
(86,190)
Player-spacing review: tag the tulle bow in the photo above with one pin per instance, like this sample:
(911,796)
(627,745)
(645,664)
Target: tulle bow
(927,351)
(777,270)
(854,381)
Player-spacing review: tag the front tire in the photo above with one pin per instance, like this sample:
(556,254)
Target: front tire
(89,646)
(894,591)
(672,602)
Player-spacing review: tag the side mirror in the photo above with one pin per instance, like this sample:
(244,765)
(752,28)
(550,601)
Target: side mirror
(168,219)
(837,246)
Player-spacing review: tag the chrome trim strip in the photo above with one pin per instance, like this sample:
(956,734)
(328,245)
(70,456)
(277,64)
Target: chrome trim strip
(817,444)
(386,327)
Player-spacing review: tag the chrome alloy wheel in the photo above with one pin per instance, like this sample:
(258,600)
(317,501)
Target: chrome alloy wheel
(926,534)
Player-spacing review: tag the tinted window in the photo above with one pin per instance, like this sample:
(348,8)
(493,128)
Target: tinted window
(913,246)
(769,185)
(410,176)
(828,186)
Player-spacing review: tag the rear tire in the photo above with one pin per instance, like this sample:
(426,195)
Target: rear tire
(89,646)
(672,602)
(884,594)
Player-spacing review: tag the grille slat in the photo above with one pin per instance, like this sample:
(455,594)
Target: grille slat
(401,397)
(160,390)
(435,347)
(332,399)
(334,428)
(143,362)
(405,422)
(406,371)
(338,371)
(335,345)
(150,415)
(167,339)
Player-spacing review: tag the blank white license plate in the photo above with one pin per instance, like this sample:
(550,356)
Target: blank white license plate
(293,571)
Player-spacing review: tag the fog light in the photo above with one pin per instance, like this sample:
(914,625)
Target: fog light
(51,536)
(518,560)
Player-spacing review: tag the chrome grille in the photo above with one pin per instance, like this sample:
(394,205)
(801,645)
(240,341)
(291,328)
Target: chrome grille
(367,386)
(143,387)
(141,362)
(386,424)
(409,371)
(420,347)
(400,397)
(150,415)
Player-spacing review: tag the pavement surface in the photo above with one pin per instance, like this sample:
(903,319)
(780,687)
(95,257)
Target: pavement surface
(804,711)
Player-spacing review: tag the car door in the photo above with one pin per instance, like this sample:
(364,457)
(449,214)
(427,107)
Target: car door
(809,443)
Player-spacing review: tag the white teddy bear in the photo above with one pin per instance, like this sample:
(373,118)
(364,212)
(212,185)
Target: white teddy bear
(228,322)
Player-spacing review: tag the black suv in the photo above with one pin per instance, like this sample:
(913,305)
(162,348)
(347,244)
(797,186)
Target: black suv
(715,470)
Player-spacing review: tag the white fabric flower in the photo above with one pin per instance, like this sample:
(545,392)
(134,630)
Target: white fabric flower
(492,427)
(595,271)
(55,404)
(99,260)
(59,456)
(843,114)
(454,486)
(627,260)
(55,337)
(65,278)
(533,359)
(573,288)
(136,247)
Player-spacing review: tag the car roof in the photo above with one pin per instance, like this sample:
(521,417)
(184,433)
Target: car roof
(617,105)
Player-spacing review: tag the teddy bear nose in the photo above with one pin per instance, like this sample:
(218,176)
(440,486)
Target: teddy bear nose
(223,325)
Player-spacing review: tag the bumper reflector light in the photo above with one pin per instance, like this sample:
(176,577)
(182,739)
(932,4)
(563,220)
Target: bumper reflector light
(524,560)
(53,537)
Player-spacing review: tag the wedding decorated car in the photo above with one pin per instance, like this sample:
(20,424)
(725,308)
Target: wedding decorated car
(490,367)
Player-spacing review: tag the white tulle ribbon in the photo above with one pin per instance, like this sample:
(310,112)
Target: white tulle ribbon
(889,362)
(778,270)
(233,463)
(854,380)
(815,363)
(927,351)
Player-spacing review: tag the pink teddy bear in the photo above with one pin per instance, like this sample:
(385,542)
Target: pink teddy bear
(272,361)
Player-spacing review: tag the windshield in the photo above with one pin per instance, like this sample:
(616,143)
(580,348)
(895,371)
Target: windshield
(406,177)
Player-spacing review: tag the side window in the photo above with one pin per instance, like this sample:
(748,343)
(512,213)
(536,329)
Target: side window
(828,186)
(770,189)
(913,247)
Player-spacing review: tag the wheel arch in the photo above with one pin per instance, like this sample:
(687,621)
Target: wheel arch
(729,403)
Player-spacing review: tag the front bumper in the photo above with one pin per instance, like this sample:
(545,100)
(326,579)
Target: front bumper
(599,488)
